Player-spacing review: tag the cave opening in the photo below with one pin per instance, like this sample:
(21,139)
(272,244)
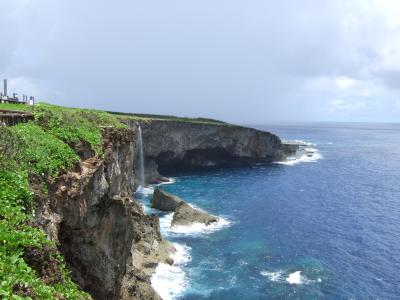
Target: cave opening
(195,159)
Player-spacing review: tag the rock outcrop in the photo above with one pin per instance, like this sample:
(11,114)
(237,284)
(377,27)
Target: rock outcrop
(172,145)
(164,201)
(186,215)
(108,242)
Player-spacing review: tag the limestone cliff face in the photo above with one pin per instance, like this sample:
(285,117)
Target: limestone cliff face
(174,145)
(108,242)
(111,246)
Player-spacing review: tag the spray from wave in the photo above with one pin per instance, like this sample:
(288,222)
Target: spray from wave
(305,153)
(171,281)
(290,278)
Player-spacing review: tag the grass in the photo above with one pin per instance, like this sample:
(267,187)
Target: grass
(27,147)
(108,115)
(20,107)
(147,117)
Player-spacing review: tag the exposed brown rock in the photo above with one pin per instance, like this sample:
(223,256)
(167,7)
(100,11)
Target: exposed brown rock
(186,215)
(24,291)
(164,201)
(170,145)
(100,229)
(45,264)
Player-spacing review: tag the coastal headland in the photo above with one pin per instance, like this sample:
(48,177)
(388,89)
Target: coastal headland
(77,170)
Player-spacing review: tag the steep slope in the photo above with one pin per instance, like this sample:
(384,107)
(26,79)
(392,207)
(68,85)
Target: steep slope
(172,145)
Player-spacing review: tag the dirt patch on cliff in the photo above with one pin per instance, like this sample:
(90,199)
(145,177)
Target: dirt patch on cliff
(46,264)
(24,291)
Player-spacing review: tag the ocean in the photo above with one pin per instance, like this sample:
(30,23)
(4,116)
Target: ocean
(325,226)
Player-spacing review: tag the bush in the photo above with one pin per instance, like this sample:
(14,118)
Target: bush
(17,234)
(30,265)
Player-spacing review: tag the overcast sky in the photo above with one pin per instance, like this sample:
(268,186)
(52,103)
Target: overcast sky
(246,61)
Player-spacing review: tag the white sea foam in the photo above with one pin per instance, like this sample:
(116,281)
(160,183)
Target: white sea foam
(171,281)
(306,153)
(273,276)
(170,181)
(295,278)
(292,278)
(192,229)
(200,228)
(149,190)
(165,223)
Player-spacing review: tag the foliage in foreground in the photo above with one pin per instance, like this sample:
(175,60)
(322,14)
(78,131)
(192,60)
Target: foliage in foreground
(30,265)
(18,236)
(27,147)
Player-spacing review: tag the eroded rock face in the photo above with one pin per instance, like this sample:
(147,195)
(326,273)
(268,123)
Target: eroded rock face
(108,242)
(186,215)
(152,176)
(164,201)
(172,145)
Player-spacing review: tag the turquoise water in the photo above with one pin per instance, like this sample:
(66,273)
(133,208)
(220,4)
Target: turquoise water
(327,229)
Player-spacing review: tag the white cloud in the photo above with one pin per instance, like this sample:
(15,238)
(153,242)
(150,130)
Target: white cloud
(343,82)
(288,59)
(340,105)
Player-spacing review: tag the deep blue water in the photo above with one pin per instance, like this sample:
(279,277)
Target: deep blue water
(337,220)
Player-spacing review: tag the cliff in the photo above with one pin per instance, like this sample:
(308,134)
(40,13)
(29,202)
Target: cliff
(81,166)
(108,242)
(172,145)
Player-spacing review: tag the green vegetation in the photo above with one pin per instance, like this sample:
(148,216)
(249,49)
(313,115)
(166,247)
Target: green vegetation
(19,107)
(18,280)
(27,147)
(38,150)
(30,154)
(145,117)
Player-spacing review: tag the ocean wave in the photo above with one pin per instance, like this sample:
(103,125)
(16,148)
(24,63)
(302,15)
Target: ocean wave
(292,278)
(306,153)
(145,191)
(273,276)
(149,190)
(295,278)
(192,229)
(170,181)
(200,228)
(171,281)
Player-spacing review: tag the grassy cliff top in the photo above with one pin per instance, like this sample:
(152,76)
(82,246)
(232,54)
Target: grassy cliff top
(145,117)
(30,153)
(120,115)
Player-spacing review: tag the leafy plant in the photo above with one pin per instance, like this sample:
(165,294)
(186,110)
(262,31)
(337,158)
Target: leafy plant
(17,279)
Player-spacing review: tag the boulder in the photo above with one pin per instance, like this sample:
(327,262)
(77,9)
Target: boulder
(186,215)
(164,201)
(151,173)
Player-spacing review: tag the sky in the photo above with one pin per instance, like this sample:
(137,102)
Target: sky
(243,61)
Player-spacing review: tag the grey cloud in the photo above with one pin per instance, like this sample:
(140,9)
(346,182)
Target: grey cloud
(235,60)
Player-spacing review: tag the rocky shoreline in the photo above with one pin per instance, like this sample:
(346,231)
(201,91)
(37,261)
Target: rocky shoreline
(111,246)
(173,145)
(184,214)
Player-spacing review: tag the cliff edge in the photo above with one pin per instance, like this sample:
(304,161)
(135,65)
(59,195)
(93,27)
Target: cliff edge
(170,145)
(81,166)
